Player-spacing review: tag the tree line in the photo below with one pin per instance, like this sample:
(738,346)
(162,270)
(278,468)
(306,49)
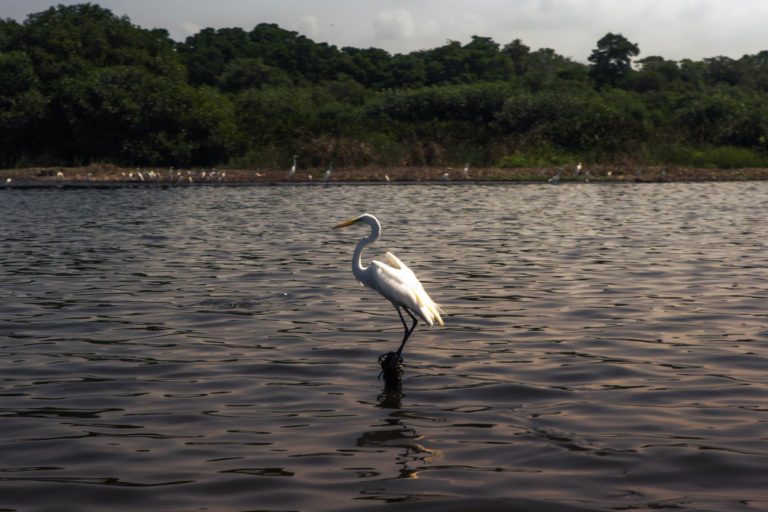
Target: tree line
(79,84)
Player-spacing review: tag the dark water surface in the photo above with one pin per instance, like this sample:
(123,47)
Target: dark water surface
(605,348)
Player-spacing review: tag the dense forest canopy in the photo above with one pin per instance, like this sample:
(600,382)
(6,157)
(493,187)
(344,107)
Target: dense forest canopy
(79,84)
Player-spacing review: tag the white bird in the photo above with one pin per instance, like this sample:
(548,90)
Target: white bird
(445,176)
(554,180)
(465,172)
(328,172)
(59,176)
(578,169)
(394,281)
(386,177)
(293,167)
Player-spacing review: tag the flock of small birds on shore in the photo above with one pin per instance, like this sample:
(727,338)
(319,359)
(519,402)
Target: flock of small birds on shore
(175,176)
(115,176)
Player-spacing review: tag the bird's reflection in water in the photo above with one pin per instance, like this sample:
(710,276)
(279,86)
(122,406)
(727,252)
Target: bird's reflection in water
(396,434)
(392,395)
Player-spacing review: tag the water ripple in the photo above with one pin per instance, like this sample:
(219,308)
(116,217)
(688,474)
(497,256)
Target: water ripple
(605,348)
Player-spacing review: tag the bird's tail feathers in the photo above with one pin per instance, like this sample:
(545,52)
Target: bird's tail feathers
(428,308)
(431,313)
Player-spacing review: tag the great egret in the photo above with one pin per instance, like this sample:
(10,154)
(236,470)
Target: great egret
(465,172)
(395,282)
(578,169)
(293,167)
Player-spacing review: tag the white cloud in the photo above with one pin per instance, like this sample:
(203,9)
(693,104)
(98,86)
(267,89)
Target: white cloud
(396,24)
(674,29)
(309,26)
(188,28)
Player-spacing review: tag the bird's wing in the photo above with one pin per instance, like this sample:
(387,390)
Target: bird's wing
(394,261)
(397,283)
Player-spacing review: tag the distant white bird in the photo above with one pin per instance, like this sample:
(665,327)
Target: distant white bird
(554,180)
(465,172)
(609,173)
(386,177)
(445,176)
(293,167)
(8,181)
(578,169)
(59,176)
(394,281)
(327,176)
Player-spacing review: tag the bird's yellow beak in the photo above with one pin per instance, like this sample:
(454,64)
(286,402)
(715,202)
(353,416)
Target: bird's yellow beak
(346,223)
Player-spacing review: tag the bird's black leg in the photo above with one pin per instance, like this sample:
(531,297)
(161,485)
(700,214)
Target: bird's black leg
(407,331)
(391,362)
(405,325)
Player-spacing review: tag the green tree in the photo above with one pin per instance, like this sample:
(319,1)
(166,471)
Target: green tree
(247,73)
(72,40)
(207,53)
(518,54)
(128,115)
(612,60)
(22,107)
(371,67)
(655,74)
(725,70)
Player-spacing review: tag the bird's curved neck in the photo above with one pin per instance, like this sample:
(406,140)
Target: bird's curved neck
(357,258)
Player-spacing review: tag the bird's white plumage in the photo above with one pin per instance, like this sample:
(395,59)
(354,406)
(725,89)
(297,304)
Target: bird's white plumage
(397,283)
(392,278)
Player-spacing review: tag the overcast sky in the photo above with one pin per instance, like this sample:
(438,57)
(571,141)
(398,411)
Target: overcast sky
(674,29)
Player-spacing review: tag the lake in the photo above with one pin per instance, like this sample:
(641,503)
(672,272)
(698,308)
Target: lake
(208,348)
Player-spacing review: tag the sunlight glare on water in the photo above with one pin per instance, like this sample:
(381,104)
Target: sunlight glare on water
(208,348)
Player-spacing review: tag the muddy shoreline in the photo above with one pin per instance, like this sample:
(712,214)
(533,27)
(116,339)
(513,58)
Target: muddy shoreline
(107,175)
